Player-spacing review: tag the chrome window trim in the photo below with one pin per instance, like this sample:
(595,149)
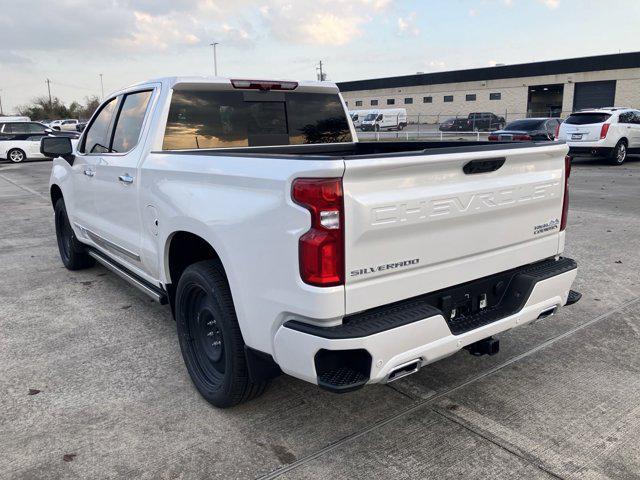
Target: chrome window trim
(107,244)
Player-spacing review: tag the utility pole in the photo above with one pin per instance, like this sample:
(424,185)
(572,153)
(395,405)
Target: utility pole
(48,82)
(101,88)
(1,112)
(321,75)
(215,58)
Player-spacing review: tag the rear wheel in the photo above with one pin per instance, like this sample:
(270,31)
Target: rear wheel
(210,337)
(72,252)
(16,155)
(619,153)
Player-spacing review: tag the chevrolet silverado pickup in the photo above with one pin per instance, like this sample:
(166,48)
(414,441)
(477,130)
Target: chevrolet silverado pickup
(283,244)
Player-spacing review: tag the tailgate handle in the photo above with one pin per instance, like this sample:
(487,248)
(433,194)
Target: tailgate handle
(483,166)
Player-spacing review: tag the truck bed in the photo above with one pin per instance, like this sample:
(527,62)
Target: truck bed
(364,149)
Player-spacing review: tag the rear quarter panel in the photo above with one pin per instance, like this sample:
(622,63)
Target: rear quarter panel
(242,207)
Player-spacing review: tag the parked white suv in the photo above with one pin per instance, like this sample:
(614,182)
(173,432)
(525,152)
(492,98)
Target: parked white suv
(602,132)
(283,244)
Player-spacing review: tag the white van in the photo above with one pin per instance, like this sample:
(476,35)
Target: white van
(357,116)
(387,119)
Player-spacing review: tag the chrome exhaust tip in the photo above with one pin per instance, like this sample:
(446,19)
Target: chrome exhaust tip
(404,369)
(549,312)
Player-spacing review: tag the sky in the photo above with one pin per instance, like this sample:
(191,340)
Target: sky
(72,42)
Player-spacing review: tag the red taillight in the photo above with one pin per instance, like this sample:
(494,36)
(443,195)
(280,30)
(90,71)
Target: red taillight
(321,248)
(565,201)
(263,85)
(493,138)
(522,138)
(604,130)
(557,134)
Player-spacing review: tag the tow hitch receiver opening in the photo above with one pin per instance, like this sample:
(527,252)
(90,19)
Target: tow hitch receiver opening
(405,369)
(486,346)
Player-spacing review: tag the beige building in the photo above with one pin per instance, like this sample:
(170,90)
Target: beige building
(552,88)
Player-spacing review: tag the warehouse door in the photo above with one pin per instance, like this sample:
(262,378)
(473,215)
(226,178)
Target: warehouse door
(594,94)
(545,100)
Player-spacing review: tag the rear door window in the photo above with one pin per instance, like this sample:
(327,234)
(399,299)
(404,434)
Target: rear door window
(221,119)
(586,118)
(19,128)
(129,123)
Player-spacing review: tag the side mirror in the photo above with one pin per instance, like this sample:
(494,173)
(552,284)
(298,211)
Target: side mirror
(53,147)
(48,130)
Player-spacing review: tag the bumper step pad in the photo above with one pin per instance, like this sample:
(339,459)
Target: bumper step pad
(574,297)
(342,379)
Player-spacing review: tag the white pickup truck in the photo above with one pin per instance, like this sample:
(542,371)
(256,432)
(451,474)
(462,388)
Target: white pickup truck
(282,244)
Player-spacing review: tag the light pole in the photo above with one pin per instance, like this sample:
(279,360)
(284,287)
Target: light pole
(1,112)
(101,88)
(215,58)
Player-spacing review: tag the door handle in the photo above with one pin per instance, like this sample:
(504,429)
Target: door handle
(126,178)
(89,173)
(483,166)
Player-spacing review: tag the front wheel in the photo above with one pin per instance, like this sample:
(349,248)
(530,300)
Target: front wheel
(73,253)
(619,153)
(210,337)
(16,155)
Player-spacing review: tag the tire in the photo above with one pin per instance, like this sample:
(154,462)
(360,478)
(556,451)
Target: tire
(210,337)
(73,253)
(619,153)
(16,155)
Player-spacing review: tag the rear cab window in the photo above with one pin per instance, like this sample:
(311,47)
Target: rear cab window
(587,118)
(200,119)
(525,125)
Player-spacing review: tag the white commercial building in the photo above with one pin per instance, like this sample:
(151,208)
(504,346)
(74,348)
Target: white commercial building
(550,88)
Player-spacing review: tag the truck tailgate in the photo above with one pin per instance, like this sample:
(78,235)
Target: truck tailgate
(419,223)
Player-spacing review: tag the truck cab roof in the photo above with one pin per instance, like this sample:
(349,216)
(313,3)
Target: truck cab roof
(228,82)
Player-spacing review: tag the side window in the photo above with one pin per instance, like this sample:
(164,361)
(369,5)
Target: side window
(35,138)
(19,127)
(625,117)
(551,126)
(97,137)
(5,128)
(636,117)
(130,120)
(35,128)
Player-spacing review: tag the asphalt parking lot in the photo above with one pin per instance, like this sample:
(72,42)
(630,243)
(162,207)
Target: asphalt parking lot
(110,397)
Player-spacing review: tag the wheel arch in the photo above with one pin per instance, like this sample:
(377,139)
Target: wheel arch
(56,194)
(183,248)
